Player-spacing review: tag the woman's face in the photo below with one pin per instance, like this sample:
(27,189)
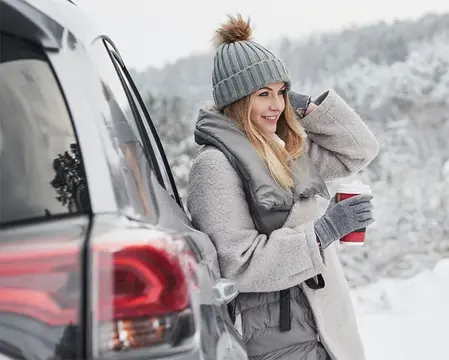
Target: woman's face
(267,104)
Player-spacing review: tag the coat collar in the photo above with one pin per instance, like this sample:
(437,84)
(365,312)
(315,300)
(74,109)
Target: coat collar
(213,128)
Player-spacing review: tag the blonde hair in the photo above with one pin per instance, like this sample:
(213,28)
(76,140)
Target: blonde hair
(276,157)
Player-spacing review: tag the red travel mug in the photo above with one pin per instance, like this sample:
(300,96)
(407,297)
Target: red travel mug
(345,191)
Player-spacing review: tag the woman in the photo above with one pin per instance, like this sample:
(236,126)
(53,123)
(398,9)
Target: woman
(254,189)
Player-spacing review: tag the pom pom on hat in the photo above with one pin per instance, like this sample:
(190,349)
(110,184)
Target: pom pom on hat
(235,29)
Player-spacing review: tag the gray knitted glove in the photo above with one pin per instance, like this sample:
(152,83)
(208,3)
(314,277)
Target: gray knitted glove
(299,102)
(344,217)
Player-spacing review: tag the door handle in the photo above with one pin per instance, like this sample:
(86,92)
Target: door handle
(225,290)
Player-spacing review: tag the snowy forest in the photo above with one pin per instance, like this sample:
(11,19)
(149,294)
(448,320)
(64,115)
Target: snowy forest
(396,76)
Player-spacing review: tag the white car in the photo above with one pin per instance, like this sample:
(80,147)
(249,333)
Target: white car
(98,259)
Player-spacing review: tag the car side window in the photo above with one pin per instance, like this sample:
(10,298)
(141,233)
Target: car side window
(156,147)
(136,164)
(41,168)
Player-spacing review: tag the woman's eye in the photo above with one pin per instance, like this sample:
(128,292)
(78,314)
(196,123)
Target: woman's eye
(282,92)
(265,93)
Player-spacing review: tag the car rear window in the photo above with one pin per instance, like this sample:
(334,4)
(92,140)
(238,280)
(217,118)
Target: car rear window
(40,165)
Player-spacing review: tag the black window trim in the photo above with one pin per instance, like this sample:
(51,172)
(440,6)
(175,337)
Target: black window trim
(147,148)
(156,138)
(116,56)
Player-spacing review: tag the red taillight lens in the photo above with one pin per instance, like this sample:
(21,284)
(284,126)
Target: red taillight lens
(144,280)
(139,287)
(41,280)
(141,291)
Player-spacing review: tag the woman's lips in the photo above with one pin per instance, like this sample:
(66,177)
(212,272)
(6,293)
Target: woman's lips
(271,119)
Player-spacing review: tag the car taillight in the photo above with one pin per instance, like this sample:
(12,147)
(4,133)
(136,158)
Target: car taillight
(41,281)
(140,287)
(141,291)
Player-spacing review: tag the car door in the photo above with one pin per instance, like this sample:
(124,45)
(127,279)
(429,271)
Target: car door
(219,337)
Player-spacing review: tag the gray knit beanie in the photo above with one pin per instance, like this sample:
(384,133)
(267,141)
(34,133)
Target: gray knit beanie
(241,66)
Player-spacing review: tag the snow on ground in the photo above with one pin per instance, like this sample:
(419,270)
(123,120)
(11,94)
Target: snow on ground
(406,319)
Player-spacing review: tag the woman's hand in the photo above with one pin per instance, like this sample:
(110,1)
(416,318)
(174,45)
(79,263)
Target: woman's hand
(302,104)
(344,217)
(312,106)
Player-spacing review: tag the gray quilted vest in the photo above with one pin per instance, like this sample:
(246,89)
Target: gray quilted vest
(269,204)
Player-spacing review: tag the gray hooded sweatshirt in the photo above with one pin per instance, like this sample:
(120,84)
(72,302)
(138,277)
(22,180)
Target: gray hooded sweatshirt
(228,190)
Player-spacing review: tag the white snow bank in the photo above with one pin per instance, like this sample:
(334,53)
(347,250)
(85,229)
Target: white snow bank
(406,319)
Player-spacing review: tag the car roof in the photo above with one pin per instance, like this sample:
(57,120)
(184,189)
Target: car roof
(64,12)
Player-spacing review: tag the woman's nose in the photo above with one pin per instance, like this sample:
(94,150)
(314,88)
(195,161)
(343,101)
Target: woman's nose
(276,105)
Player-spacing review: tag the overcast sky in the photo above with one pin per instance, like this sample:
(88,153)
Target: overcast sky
(154,32)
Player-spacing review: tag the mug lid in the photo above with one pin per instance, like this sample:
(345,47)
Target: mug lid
(354,187)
